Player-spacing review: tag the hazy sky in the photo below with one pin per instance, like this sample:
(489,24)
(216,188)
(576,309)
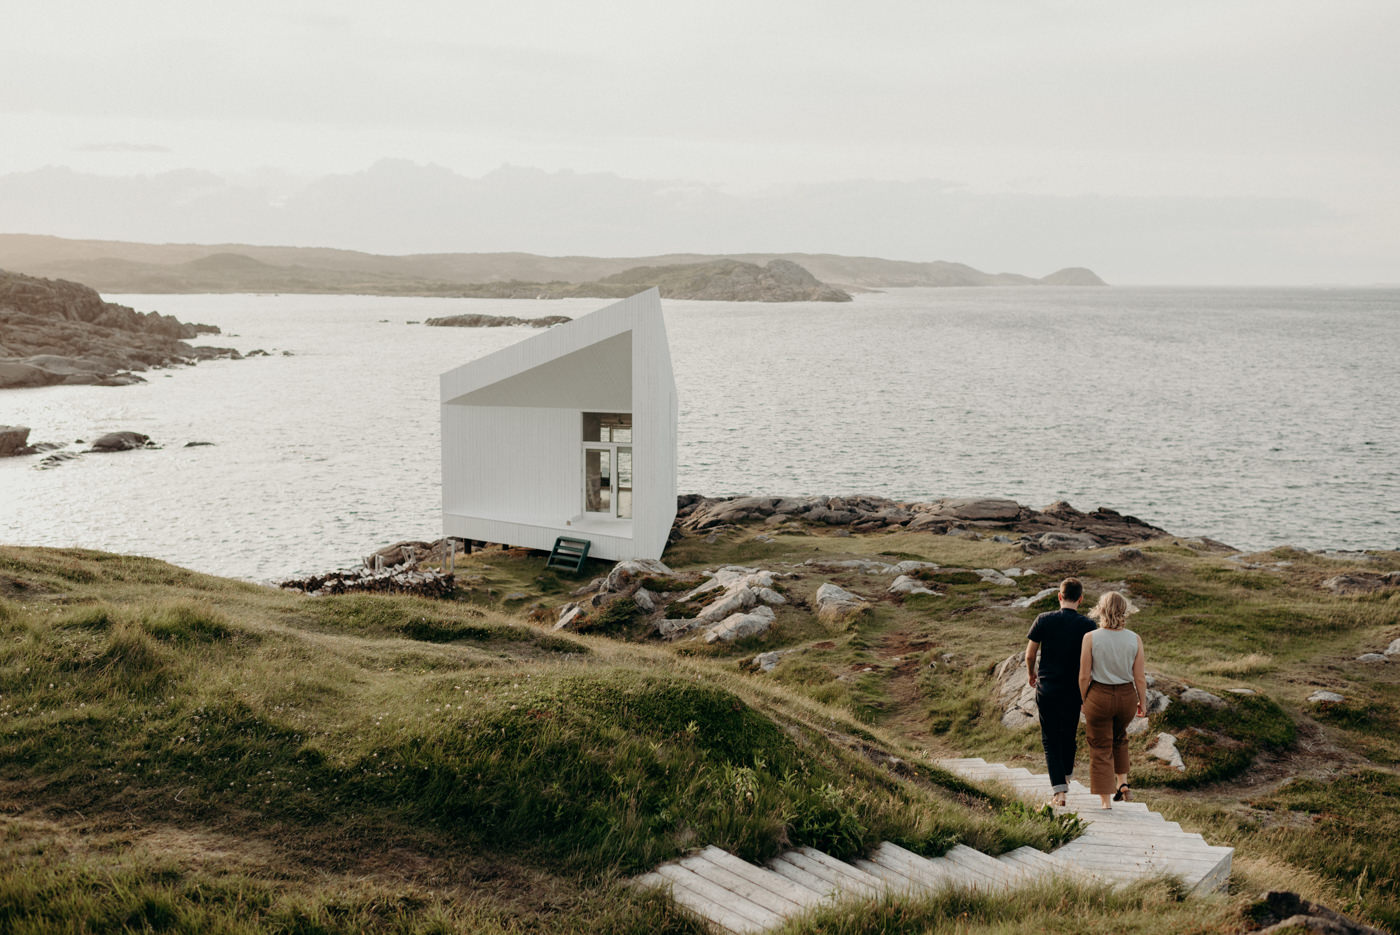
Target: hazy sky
(1283,109)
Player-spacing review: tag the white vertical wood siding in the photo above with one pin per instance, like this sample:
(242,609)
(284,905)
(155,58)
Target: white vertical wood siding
(512,432)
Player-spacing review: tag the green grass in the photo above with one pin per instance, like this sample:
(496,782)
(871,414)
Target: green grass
(1345,821)
(331,729)
(373,762)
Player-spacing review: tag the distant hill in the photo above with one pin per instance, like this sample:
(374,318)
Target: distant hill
(118,266)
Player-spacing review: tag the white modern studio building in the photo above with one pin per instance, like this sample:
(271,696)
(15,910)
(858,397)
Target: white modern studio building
(571,432)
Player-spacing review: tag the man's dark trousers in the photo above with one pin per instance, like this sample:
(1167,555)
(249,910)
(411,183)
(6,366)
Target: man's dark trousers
(1059,733)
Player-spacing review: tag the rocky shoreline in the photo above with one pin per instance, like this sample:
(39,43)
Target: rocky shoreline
(1058,526)
(56,332)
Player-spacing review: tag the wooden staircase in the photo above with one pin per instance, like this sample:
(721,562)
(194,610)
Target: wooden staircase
(1121,845)
(568,553)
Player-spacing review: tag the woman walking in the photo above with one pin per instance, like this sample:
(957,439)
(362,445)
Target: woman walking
(1113,683)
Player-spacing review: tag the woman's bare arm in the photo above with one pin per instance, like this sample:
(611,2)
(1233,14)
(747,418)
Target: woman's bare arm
(1140,679)
(1086,664)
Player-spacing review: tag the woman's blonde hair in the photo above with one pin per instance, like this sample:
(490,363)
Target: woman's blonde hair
(1111,611)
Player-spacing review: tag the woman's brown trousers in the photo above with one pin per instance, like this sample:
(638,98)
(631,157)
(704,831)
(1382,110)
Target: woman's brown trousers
(1107,711)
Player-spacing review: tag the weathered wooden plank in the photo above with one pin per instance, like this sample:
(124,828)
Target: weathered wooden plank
(761,876)
(933,874)
(716,916)
(894,880)
(805,878)
(718,904)
(858,878)
(996,874)
(740,886)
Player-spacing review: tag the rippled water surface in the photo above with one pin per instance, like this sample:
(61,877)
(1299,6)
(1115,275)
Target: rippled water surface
(1258,417)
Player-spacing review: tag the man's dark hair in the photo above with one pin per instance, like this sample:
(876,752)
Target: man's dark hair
(1071,590)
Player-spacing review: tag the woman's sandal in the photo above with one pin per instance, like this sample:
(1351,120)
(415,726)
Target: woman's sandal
(1124,794)
(1057,800)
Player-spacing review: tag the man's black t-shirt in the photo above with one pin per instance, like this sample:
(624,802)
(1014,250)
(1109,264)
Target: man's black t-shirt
(1060,634)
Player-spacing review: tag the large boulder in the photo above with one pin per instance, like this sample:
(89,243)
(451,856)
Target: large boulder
(121,441)
(737,626)
(1165,750)
(1067,540)
(979,509)
(628,573)
(1360,583)
(835,604)
(13,440)
(905,585)
(1013,694)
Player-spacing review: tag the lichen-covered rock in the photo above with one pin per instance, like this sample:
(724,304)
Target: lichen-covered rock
(625,574)
(1165,750)
(864,566)
(1326,697)
(739,626)
(1013,694)
(835,604)
(1200,696)
(569,615)
(767,662)
(1360,583)
(1051,541)
(1037,596)
(906,585)
(1372,657)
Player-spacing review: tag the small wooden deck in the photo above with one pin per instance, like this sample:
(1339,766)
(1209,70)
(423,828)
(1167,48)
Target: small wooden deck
(1127,843)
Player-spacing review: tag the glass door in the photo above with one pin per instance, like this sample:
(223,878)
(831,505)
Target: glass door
(607,464)
(597,480)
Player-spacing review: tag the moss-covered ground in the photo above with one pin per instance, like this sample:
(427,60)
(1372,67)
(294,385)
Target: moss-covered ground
(187,753)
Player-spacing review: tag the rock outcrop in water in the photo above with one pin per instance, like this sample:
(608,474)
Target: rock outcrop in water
(495,321)
(57,332)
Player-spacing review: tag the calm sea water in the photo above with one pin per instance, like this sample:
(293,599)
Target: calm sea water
(1258,417)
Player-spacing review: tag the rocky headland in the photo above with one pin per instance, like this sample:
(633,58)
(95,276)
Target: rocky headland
(53,331)
(716,281)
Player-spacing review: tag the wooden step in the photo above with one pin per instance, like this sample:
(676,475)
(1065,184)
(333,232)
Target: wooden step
(995,876)
(847,878)
(702,905)
(747,881)
(789,870)
(933,873)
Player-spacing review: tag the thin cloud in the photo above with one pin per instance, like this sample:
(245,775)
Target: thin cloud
(122,148)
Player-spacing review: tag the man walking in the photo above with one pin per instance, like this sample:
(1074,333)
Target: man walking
(1056,637)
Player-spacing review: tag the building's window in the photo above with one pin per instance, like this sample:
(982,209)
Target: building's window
(607,427)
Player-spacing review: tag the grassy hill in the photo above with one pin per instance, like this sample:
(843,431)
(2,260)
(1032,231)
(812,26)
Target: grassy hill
(188,753)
